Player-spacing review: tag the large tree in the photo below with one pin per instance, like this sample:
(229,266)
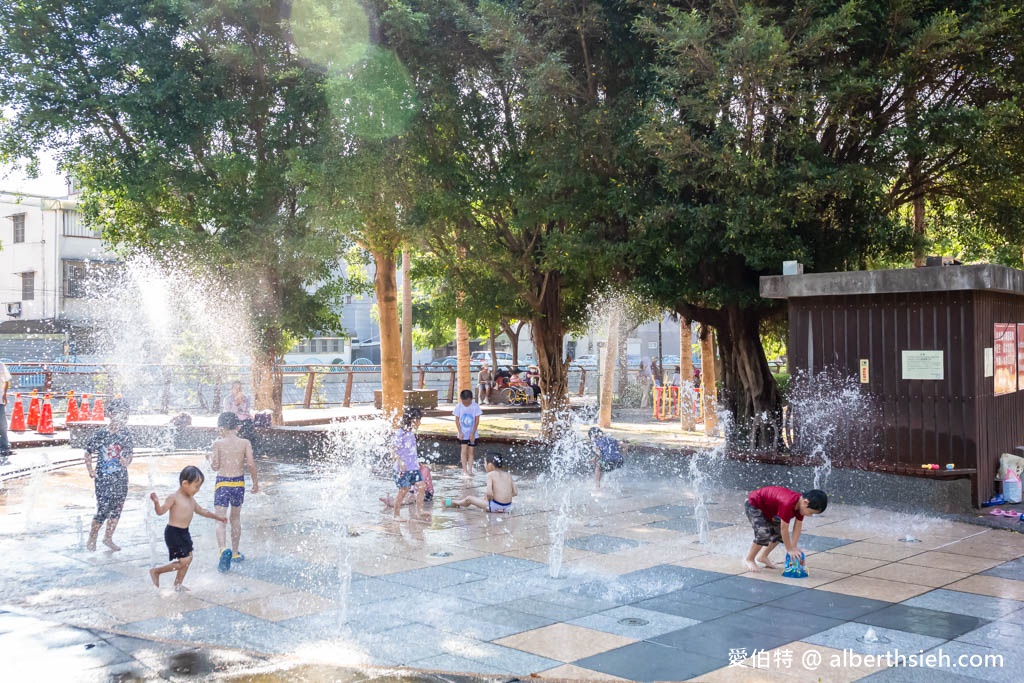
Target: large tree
(798,131)
(186,121)
(525,105)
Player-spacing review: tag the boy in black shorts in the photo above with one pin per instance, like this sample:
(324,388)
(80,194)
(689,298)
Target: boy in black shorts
(182,505)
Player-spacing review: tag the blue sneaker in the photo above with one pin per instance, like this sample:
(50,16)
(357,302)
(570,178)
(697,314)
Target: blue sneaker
(225,561)
(237,557)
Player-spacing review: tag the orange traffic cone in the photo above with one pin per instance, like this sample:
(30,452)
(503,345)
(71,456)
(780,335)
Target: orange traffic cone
(97,410)
(33,410)
(84,414)
(18,416)
(46,417)
(72,414)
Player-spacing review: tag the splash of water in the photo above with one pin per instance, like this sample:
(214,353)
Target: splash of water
(829,413)
(569,454)
(703,468)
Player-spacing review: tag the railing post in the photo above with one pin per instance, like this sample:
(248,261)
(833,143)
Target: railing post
(348,388)
(451,385)
(423,377)
(583,381)
(310,379)
(48,380)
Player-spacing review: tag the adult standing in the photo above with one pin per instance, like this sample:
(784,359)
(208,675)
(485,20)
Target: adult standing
(238,403)
(644,380)
(5,379)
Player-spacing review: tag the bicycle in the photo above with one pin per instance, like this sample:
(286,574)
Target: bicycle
(517,395)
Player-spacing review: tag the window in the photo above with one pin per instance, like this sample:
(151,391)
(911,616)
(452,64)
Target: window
(85,278)
(74,226)
(28,286)
(323,346)
(19,228)
(335,345)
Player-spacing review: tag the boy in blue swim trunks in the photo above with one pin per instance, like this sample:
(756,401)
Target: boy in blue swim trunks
(501,488)
(407,465)
(230,457)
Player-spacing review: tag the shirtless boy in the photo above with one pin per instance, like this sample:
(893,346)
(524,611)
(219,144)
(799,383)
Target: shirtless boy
(182,505)
(500,488)
(230,457)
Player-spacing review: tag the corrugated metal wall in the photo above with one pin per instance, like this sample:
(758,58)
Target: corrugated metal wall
(955,420)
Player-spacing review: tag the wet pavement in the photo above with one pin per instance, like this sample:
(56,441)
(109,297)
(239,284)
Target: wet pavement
(637,597)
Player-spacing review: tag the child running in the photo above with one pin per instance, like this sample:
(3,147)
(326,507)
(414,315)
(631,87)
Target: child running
(501,488)
(607,454)
(230,458)
(770,510)
(407,466)
(182,505)
(113,448)
(467,421)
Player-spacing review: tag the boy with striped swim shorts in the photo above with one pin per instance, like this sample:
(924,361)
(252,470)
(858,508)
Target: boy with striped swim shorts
(230,457)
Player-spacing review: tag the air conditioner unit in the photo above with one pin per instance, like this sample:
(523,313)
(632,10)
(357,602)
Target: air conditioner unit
(14,310)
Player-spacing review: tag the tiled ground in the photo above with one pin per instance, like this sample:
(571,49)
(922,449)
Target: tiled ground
(331,579)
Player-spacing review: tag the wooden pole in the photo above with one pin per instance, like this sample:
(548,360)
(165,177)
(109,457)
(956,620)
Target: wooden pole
(685,375)
(707,379)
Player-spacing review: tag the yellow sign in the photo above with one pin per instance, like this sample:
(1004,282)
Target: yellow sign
(865,376)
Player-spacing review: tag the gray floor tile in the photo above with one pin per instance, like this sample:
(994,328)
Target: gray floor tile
(825,603)
(916,675)
(670,510)
(1002,635)
(991,664)
(751,590)
(686,603)
(632,622)
(432,578)
(599,543)
(548,610)
(714,639)
(849,636)
(491,624)
(1013,569)
(647,661)
(779,621)
(927,622)
(491,592)
(504,658)
(446,662)
(584,603)
(982,606)
(822,543)
(376,590)
(496,565)
(686,525)
(403,645)
(645,584)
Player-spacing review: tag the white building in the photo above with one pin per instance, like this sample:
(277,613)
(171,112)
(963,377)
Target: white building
(48,257)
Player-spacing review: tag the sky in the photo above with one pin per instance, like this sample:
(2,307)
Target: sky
(49,183)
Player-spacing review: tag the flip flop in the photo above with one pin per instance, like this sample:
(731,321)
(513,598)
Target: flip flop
(224,564)
(994,500)
(237,557)
(996,512)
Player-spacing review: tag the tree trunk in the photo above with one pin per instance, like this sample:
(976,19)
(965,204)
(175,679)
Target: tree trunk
(492,346)
(685,373)
(462,355)
(750,390)
(548,336)
(406,322)
(513,339)
(622,357)
(611,352)
(707,380)
(386,289)
(268,383)
(920,238)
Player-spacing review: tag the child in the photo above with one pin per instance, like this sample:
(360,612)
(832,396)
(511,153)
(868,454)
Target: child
(484,379)
(230,457)
(607,453)
(428,487)
(407,466)
(500,487)
(467,420)
(113,448)
(769,510)
(182,505)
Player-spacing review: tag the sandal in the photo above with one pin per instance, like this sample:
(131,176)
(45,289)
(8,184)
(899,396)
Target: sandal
(996,512)
(994,500)
(224,564)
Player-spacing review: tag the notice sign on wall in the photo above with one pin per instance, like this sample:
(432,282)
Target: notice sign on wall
(1004,352)
(1020,355)
(923,365)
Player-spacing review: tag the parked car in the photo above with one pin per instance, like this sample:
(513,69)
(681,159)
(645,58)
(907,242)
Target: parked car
(504,357)
(587,361)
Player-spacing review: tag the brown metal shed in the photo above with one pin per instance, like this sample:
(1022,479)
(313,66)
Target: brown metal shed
(838,320)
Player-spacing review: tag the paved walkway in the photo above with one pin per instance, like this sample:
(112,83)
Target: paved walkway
(637,596)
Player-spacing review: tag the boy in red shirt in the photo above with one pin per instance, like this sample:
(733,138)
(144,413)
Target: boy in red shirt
(770,510)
